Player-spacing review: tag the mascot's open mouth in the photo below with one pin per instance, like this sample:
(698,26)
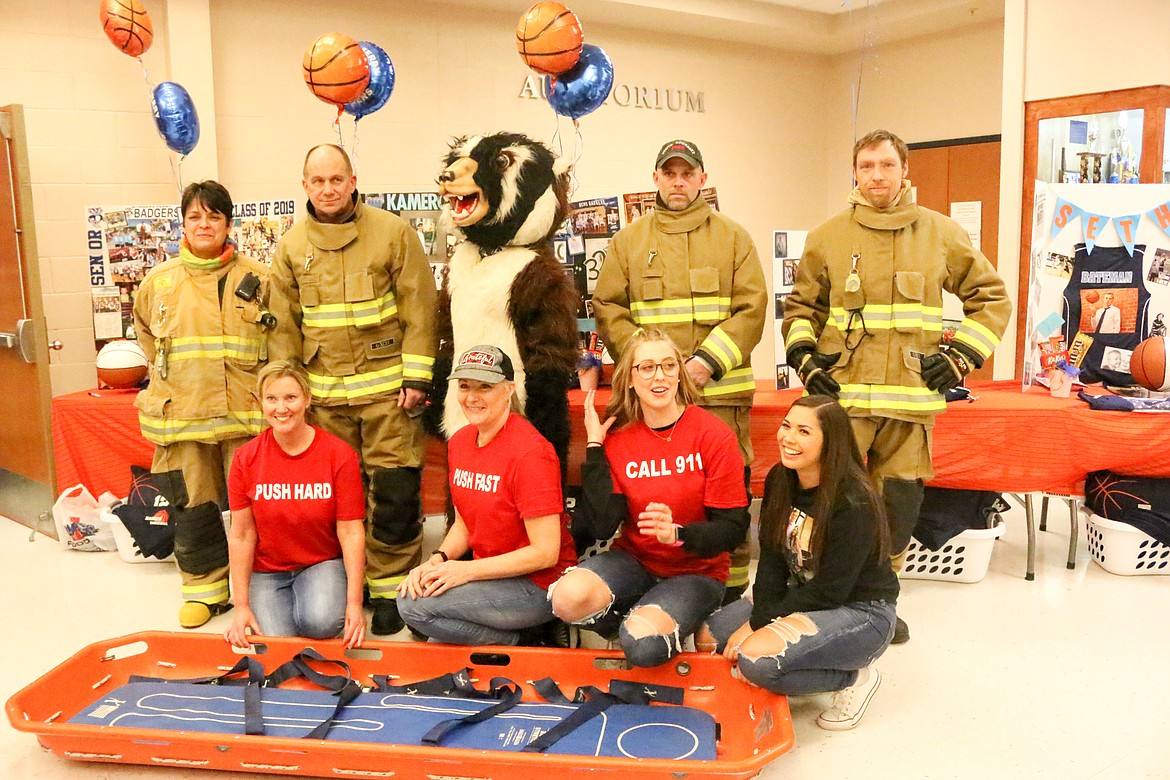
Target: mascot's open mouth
(463,206)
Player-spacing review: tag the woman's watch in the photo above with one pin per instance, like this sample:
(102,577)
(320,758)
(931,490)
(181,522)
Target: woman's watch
(442,555)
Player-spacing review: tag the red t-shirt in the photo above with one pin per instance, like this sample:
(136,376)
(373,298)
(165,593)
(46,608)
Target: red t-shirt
(297,500)
(699,467)
(514,476)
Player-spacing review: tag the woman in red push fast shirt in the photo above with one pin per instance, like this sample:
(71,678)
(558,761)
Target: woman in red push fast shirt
(505,482)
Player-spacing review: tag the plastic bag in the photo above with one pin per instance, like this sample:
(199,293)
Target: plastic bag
(75,514)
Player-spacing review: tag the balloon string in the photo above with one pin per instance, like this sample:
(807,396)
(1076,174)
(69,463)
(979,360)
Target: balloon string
(177,171)
(556,136)
(353,152)
(578,151)
(145,73)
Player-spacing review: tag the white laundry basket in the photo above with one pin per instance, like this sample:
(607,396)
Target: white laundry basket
(964,558)
(1120,548)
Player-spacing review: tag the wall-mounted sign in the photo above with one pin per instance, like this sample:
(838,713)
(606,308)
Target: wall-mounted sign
(634,96)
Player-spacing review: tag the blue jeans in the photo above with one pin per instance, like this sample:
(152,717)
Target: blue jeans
(847,639)
(485,612)
(687,598)
(308,602)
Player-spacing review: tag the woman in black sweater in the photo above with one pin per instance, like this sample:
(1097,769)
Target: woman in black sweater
(822,606)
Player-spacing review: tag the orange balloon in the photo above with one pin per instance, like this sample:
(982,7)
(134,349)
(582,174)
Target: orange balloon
(127,25)
(549,38)
(336,69)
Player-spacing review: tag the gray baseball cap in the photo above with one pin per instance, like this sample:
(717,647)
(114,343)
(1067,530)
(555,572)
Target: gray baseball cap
(684,150)
(484,363)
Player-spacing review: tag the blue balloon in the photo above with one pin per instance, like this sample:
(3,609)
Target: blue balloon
(381,82)
(175,117)
(582,88)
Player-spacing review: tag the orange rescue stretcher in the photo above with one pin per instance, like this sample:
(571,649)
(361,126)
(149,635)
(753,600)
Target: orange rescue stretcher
(753,726)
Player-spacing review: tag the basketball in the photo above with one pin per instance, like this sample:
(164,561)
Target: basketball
(549,38)
(1148,364)
(127,25)
(336,69)
(121,364)
(1092,296)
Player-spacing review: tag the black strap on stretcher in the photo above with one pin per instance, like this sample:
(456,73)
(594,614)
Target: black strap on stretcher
(344,687)
(502,688)
(592,700)
(595,701)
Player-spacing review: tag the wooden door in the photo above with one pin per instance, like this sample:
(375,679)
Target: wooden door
(26,463)
(960,171)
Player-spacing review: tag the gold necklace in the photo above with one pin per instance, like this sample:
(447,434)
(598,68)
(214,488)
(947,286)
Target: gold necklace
(672,427)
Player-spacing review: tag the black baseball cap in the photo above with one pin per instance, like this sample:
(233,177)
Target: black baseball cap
(684,150)
(484,363)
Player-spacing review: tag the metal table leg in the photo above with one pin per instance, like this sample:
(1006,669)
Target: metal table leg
(1073,533)
(1026,500)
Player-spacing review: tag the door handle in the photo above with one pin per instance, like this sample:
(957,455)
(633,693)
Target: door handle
(23,339)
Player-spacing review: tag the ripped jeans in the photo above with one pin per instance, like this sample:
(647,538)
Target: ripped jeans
(687,598)
(846,639)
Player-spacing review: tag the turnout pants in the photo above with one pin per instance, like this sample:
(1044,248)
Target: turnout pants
(897,455)
(201,550)
(391,445)
(739,419)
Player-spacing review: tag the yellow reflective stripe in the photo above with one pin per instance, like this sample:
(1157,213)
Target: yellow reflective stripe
(212,348)
(345,315)
(893,397)
(161,431)
(711,307)
(737,575)
(977,336)
(661,312)
(706,308)
(356,385)
(208,593)
(887,316)
(418,367)
(800,330)
(722,348)
(737,380)
(384,587)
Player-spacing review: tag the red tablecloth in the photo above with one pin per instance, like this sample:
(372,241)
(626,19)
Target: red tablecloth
(96,439)
(1006,441)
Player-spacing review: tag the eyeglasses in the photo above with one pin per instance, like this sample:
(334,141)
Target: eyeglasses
(648,368)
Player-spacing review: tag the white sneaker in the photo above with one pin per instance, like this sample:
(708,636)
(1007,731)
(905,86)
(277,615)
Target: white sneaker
(849,704)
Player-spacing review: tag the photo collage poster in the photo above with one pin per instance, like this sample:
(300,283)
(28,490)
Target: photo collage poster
(125,242)
(787,247)
(639,204)
(1100,281)
(422,211)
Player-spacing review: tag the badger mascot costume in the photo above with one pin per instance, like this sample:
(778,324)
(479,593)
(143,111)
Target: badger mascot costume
(507,195)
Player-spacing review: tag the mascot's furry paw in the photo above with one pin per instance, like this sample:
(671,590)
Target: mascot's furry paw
(507,195)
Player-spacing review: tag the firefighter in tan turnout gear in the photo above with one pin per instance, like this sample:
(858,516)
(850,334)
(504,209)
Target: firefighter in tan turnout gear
(355,300)
(864,323)
(201,320)
(693,273)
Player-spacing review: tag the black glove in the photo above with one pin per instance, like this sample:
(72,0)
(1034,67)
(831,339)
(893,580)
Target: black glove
(812,367)
(944,371)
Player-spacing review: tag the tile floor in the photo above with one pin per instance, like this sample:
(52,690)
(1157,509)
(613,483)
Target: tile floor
(1064,677)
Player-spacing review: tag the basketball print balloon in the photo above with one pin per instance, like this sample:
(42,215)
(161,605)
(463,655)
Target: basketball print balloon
(1148,364)
(549,38)
(127,25)
(336,69)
